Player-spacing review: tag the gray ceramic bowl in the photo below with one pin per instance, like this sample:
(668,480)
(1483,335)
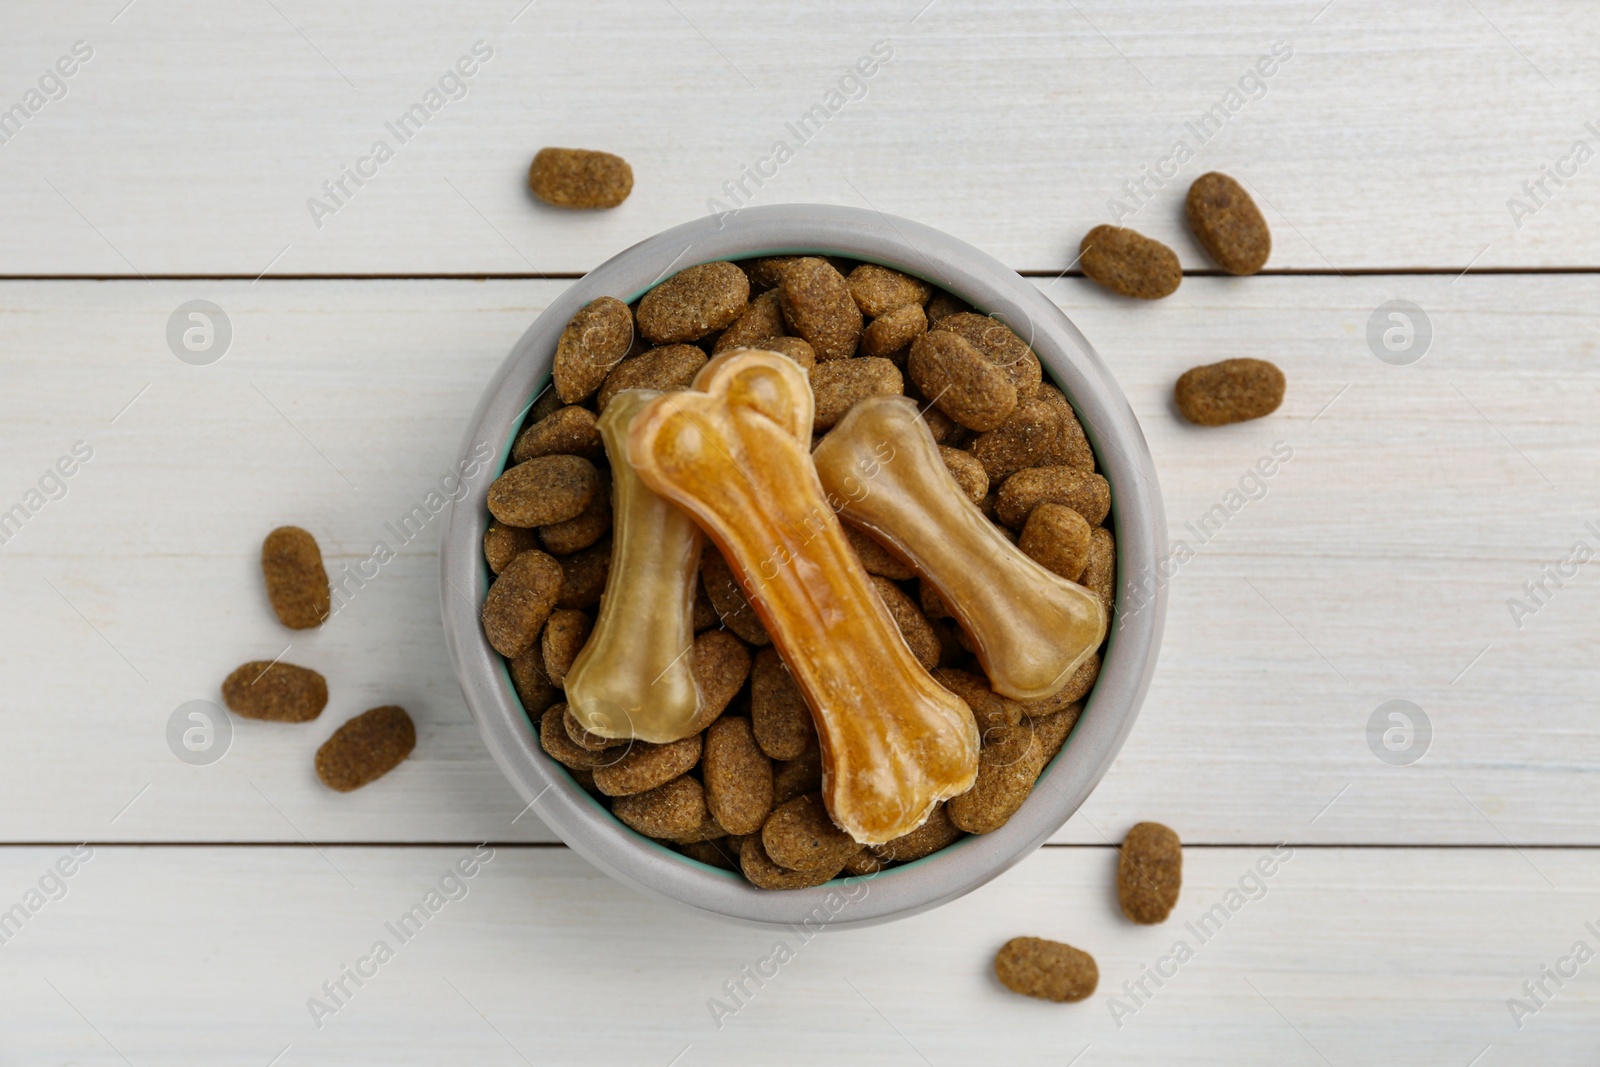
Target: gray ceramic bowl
(988,285)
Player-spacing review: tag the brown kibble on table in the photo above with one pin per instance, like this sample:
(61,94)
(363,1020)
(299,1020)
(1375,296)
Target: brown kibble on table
(875,558)
(877,290)
(564,634)
(726,596)
(818,306)
(800,836)
(1045,969)
(841,384)
(502,544)
(967,471)
(275,691)
(1228,224)
(721,664)
(544,490)
(1100,569)
(1058,538)
(891,334)
(584,528)
(961,381)
(760,319)
(1150,873)
(666,368)
(694,302)
(297,584)
(366,748)
(1231,391)
(580,178)
(798,776)
(584,574)
(913,625)
(1130,263)
(737,775)
(595,340)
(779,719)
(676,809)
(1083,491)
(765,874)
(941,305)
(925,840)
(532,682)
(645,766)
(520,601)
(1000,344)
(568,431)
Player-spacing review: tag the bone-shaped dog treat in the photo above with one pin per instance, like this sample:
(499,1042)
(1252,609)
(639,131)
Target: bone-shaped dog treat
(1030,627)
(734,455)
(633,677)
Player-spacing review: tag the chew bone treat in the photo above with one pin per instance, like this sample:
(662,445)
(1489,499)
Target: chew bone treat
(1150,873)
(1030,628)
(894,742)
(297,584)
(633,678)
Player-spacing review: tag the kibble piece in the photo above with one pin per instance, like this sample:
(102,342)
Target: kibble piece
(1058,537)
(988,707)
(863,863)
(800,836)
(544,490)
(961,381)
(666,368)
(520,601)
(1129,263)
(502,544)
(766,273)
(878,289)
(760,319)
(580,178)
(818,306)
(891,334)
(533,684)
(945,430)
(1082,680)
(722,853)
(1085,492)
(1001,345)
(793,347)
(737,774)
(875,558)
(967,471)
(841,384)
(779,719)
(583,575)
(559,746)
(596,339)
(1048,970)
(1008,764)
(366,748)
(588,741)
(1231,391)
(564,634)
(1228,224)
(798,776)
(705,616)
(941,305)
(569,430)
(646,766)
(721,664)
(675,809)
(1150,873)
(1100,569)
(729,600)
(694,302)
(913,625)
(276,691)
(708,830)
(925,840)
(765,874)
(1043,432)
(297,585)
(584,528)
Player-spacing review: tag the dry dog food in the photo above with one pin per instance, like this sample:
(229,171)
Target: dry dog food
(738,776)
(818,307)
(800,836)
(520,601)
(502,544)
(961,381)
(842,383)
(761,318)
(1057,537)
(645,766)
(661,369)
(675,810)
(1149,873)
(779,718)
(297,585)
(580,178)
(366,748)
(1231,391)
(1228,224)
(276,691)
(596,339)
(1085,492)
(878,290)
(693,303)
(1045,969)
(891,334)
(544,490)
(1130,263)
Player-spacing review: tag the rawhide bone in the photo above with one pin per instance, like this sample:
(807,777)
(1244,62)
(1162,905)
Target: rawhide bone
(1031,628)
(635,675)
(894,742)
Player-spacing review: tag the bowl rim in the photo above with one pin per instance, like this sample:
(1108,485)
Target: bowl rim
(1128,661)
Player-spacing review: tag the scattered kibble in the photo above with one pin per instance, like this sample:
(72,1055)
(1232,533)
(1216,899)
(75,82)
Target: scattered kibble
(1130,263)
(297,584)
(580,178)
(1227,223)
(366,748)
(276,691)
(1234,390)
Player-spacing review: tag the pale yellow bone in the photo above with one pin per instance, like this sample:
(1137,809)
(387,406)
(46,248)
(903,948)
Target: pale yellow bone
(635,675)
(734,455)
(1031,628)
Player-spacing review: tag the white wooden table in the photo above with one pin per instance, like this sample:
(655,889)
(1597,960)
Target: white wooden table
(175,164)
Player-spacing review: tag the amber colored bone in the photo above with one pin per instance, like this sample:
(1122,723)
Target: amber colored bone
(894,742)
(635,675)
(1031,628)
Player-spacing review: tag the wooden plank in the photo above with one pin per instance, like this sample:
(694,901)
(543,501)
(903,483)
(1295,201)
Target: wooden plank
(1376,567)
(195,137)
(211,955)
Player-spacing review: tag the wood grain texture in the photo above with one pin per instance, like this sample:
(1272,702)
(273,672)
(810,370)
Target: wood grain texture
(1393,137)
(209,956)
(1376,567)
